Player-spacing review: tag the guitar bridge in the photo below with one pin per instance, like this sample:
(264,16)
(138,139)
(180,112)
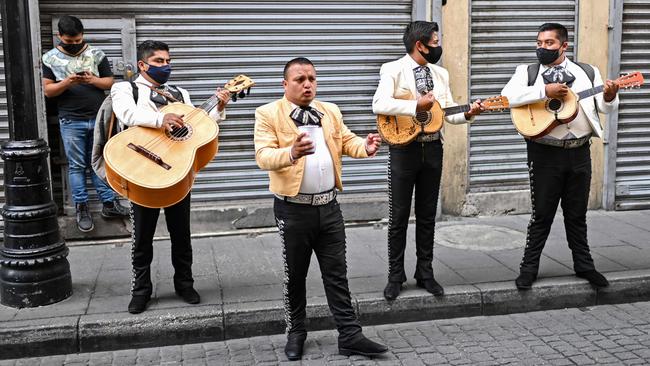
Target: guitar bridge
(149,155)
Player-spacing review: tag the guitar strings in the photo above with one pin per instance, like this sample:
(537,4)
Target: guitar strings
(178,132)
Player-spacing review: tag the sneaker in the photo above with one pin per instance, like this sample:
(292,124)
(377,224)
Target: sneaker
(114,209)
(84,220)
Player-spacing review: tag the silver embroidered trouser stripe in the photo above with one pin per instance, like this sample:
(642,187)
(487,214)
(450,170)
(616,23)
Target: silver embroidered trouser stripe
(132,219)
(285,279)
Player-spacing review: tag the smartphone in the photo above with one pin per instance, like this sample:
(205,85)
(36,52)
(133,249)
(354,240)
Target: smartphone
(80,73)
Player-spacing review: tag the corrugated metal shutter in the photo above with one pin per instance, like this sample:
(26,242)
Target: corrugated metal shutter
(116,37)
(213,41)
(633,136)
(503,36)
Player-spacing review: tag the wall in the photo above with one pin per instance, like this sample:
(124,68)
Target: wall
(455,58)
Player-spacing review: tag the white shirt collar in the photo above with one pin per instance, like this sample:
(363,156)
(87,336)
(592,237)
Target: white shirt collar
(412,63)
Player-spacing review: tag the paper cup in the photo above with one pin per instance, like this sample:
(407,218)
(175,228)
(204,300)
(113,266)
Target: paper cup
(310,130)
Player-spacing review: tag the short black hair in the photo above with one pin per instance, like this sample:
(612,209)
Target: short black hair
(70,26)
(297,60)
(560,30)
(418,31)
(148,47)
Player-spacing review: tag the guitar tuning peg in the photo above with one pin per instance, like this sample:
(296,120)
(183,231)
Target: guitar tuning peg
(242,94)
(248,91)
(234,97)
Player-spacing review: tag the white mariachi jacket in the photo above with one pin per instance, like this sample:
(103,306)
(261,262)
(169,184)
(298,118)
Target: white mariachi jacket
(519,93)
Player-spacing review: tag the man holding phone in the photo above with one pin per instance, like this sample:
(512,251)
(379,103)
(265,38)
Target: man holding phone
(76,74)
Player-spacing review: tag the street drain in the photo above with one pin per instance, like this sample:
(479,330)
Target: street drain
(479,237)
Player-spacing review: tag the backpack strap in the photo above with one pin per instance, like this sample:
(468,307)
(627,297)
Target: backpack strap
(591,74)
(533,70)
(589,70)
(134,88)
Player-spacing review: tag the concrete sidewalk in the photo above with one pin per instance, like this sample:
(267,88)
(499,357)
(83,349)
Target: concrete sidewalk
(240,281)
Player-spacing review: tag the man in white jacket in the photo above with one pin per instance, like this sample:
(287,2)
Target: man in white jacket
(559,163)
(153,94)
(419,164)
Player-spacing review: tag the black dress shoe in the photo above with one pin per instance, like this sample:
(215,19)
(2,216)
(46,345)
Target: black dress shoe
(431,286)
(189,295)
(138,304)
(294,346)
(364,347)
(525,280)
(594,277)
(392,290)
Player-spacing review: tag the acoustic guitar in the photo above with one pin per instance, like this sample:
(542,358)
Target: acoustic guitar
(154,167)
(538,119)
(402,130)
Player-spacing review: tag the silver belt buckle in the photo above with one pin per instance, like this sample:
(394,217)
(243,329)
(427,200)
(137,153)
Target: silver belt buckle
(323,198)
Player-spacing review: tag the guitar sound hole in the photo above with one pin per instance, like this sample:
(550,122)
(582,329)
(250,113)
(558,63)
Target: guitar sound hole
(423,118)
(555,104)
(180,133)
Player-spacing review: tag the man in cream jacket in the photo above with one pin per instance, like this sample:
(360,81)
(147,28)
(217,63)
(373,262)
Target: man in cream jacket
(305,172)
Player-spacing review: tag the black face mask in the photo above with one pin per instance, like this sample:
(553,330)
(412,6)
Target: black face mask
(434,54)
(546,56)
(72,48)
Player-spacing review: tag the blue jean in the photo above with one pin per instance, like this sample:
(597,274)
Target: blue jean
(77,136)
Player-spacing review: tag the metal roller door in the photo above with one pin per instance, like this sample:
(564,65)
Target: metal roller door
(633,134)
(213,41)
(503,36)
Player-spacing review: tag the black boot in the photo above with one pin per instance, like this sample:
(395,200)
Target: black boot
(431,285)
(189,295)
(363,347)
(294,346)
(392,290)
(138,303)
(594,277)
(525,280)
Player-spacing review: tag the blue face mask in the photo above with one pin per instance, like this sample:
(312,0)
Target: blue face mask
(159,74)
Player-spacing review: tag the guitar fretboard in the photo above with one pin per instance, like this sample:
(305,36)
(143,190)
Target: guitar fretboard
(589,92)
(210,103)
(457,109)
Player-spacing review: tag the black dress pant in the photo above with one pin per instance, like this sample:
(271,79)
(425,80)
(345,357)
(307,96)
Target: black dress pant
(417,165)
(144,221)
(303,229)
(558,175)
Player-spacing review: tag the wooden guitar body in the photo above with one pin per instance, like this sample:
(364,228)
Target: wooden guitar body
(156,168)
(538,119)
(402,130)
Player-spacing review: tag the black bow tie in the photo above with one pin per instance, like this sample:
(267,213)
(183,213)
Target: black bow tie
(558,74)
(306,116)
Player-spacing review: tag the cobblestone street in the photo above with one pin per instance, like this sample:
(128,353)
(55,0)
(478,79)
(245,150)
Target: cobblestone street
(602,335)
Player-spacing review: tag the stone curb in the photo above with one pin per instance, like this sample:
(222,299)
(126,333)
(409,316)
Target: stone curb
(155,328)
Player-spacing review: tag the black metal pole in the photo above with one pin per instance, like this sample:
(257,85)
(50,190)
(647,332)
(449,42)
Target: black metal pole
(34,268)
